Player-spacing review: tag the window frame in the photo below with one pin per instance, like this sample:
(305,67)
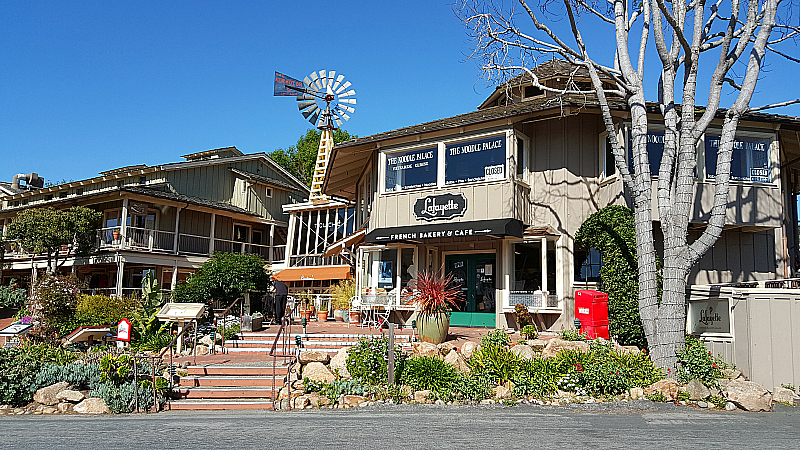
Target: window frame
(526,157)
(603,144)
(774,164)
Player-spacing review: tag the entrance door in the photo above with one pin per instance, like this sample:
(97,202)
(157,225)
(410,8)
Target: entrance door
(475,276)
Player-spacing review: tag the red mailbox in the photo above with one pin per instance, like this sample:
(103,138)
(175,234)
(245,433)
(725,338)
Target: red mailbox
(591,308)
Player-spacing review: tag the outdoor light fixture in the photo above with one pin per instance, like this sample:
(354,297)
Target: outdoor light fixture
(299,341)
(577,323)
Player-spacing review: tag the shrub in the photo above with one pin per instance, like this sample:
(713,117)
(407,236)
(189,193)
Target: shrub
(367,360)
(78,375)
(341,293)
(120,398)
(104,310)
(571,334)
(497,337)
(529,331)
(337,388)
(429,372)
(641,370)
(12,296)
(494,361)
(19,367)
(696,361)
(52,302)
(536,377)
(152,342)
(474,387)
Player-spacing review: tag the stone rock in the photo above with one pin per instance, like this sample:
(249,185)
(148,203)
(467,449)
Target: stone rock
(339,362)
(316,400)
(49,410)
(626,348)
(487,401)
(353,400)
(730,406)
(539,344)
(667,387)
(457,361)
(202,350)
(406,390)
(422,396)
(300,402)
(64,407)
(445,348)
(309,356)
(318,372)
(92,405)
(783,395)
(731,374)
(206,340)
(523,352)
(555,345)
(425,349)
(468,348)
(47,395)
(748,395)
(636,393)
(702,404)
(283,394)
(501,392)
(70,396)
(697,390)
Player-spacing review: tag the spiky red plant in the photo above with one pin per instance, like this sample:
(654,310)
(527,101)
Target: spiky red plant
(434,292)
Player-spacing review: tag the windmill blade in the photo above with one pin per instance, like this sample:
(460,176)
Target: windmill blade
(343,87)
(338,82)
(331,74)
(315,79)
(306,104)
(307,82)
(342,113)
(305,97)
(336,119)
(349,93)
(323,76)
(314,116)
(350,101)
(313,109)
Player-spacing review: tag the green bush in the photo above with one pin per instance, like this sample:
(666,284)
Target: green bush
(78,375)
(367,360)
(497,337)
(494,361)
(611,232)
(337,388)
(571,334)
(537,377)
(52,303)
(120,398)
(152,342)
(529,331)
(429,372)
(696,361)
(104,310)
(19,367)
(12,296)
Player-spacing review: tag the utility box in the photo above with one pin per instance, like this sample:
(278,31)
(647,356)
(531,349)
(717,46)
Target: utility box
(591,308)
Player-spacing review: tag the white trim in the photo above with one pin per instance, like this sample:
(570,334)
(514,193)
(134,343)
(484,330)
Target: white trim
(526,155)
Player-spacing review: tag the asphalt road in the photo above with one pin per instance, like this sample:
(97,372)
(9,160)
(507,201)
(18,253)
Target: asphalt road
(636,425)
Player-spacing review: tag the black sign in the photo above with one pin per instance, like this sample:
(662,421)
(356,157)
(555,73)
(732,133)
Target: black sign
(440,207)
(495,227)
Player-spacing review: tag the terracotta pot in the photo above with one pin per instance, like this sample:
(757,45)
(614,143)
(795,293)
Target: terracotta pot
(322,316)
(116,235)
(339,315)
(433,327)
(306,314)
(355,317)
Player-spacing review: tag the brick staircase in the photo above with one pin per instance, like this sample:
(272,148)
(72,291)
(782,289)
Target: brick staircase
(250,384)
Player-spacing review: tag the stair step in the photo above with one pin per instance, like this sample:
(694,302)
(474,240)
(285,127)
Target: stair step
(229,381)
(225,392)
(237,370)
(219,405)
(325,336)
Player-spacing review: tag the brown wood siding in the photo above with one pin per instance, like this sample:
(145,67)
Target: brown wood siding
(195,222)
(737,256)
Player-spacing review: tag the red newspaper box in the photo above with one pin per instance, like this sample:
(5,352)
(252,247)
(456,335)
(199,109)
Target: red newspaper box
(591,308)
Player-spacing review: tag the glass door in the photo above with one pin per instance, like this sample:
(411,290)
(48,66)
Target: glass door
(474,275)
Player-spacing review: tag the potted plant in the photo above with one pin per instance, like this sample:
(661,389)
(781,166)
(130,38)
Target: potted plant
(341,293)
(322,313)
(306,305)
(435,296)
(258,321)
(115,234)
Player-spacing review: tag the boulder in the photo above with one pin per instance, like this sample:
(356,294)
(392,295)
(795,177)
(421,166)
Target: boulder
(501,392)
(202,350)
(92,405)
(47,395)
(538,344)
(697,390)
(309,356)
(316,400)
(636,393)
(457,361)
(422,396)
(555,345)
(748,395)
(353,400)
(523,352)
(667,387)
(318,372)
(69,395)
(783,395)
(445,348)
(64,407)
(284,393)
(731,374)
(425,349)
(206,340)
(468,348)
(49,410)
(300,402)
(730,406)
(339,362)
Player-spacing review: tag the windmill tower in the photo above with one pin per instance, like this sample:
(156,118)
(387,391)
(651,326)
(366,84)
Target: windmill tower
(325,99)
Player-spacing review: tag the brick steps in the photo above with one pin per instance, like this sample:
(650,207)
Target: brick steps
(264,392)
(195,405)
(227,381)
(218,370)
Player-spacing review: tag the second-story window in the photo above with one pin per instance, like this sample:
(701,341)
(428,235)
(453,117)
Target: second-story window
(411,169)
(475,160)
(750,160)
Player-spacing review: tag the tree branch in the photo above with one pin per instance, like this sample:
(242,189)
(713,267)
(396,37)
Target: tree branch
(774,105)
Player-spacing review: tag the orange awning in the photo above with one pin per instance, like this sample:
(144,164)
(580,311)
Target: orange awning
(313,273)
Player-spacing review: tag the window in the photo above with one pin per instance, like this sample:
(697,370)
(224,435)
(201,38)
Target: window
(79,191)
(533,91)
(411,169)
(608,167)
(48,197)
(62,194)
(475,160)
(588,265)
(269,192)
(750,160)
(655,147)
(522,152)
(142,180)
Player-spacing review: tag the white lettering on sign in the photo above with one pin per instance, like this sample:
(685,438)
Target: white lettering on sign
(433,209)
(492,173)
(471,148)
(583,310)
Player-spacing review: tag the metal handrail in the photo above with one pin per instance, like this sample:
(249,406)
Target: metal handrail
(174,341)
(224,314)
(286,323)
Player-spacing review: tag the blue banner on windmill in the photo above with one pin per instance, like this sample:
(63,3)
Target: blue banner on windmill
(283,85)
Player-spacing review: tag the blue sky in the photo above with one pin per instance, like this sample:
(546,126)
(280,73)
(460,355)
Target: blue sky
(94,85)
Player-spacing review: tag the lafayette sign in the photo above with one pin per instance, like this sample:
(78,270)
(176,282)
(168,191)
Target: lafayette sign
(710,316)
(440,207)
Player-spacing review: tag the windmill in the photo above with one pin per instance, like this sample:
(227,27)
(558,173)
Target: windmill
(326,100)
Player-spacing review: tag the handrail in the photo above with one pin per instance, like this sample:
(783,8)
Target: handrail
(224,314)
(174,341)
(286,323)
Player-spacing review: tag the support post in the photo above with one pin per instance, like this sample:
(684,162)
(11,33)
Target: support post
(544,270)
(123,226)
(174,280)
(120,268)
(390,363)
(177,227)
(211,238)
(272,243)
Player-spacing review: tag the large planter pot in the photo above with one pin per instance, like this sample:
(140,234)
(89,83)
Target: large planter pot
(322,316)
(340,315)
(433,327)
(355,317)
(306,314)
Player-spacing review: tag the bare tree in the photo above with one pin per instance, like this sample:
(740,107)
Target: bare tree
(686,33)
